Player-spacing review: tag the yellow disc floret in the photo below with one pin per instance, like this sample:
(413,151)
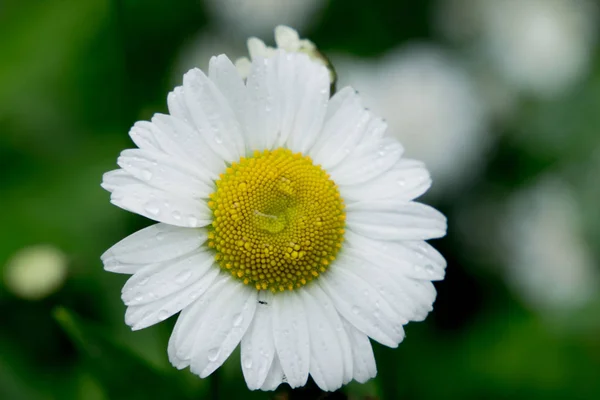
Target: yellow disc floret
(278,220)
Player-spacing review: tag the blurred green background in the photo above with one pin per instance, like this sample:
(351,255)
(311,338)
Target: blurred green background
(518,314)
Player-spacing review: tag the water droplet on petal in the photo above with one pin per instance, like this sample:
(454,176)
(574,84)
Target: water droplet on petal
(213,354)
(238,319)
(248,362)
(176,215)
(183,276)
(160,236)
(144,281)
(163,314)
(152,208)
(430,269)
(355,310)
(192,222)
(146,175)
(218,139)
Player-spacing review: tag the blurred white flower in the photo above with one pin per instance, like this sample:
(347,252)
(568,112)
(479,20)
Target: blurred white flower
(35,272)
(541,47)
(548,262)
(431,106)
(258,17)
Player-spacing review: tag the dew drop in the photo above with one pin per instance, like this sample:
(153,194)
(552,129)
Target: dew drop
(192,222)
(152,208)
(160,236)
(213,354)
(238,319)
(176,215)
(355,310)
(163,314)
(248,362)
(144,281)
(401,182)
(183,276)
(146,175)
(218,139)
(430,269)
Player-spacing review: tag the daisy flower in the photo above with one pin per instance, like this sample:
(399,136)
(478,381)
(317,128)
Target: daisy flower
(286,225)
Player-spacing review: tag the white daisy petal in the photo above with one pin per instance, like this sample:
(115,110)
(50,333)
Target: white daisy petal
(212,116)
(359,303)
(330,354)
(410,299)
(223,326)
(153,244)
(290,332)
(145,315)
(166,173)
(114,179)
(156,281)
(181,343)
(258,347)
(225,76)
(342,131)
(161,206)
(288,103)
(391,220)
(144,135)
(310,95)
(177,106)
(406,180)
(414,259)
(362,166)
(180,139)
(275,377)
(364,367)
(262,112)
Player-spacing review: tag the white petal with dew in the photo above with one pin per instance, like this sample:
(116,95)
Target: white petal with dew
(136,196)
(363,306)
(155,243)
(213,116)
(290,332)
(406,180)
(328,342)
(367,161)
(165,173)
(363,359)
(227,79)
(395,220)
(258,347)
(142,316)
(156,281)
(416,260)
(223,326)
(261,115)
(183,338)
(342,131)
(180,139)
(275,377)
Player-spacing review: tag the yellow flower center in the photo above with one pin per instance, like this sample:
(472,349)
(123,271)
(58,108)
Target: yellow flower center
(278,220)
